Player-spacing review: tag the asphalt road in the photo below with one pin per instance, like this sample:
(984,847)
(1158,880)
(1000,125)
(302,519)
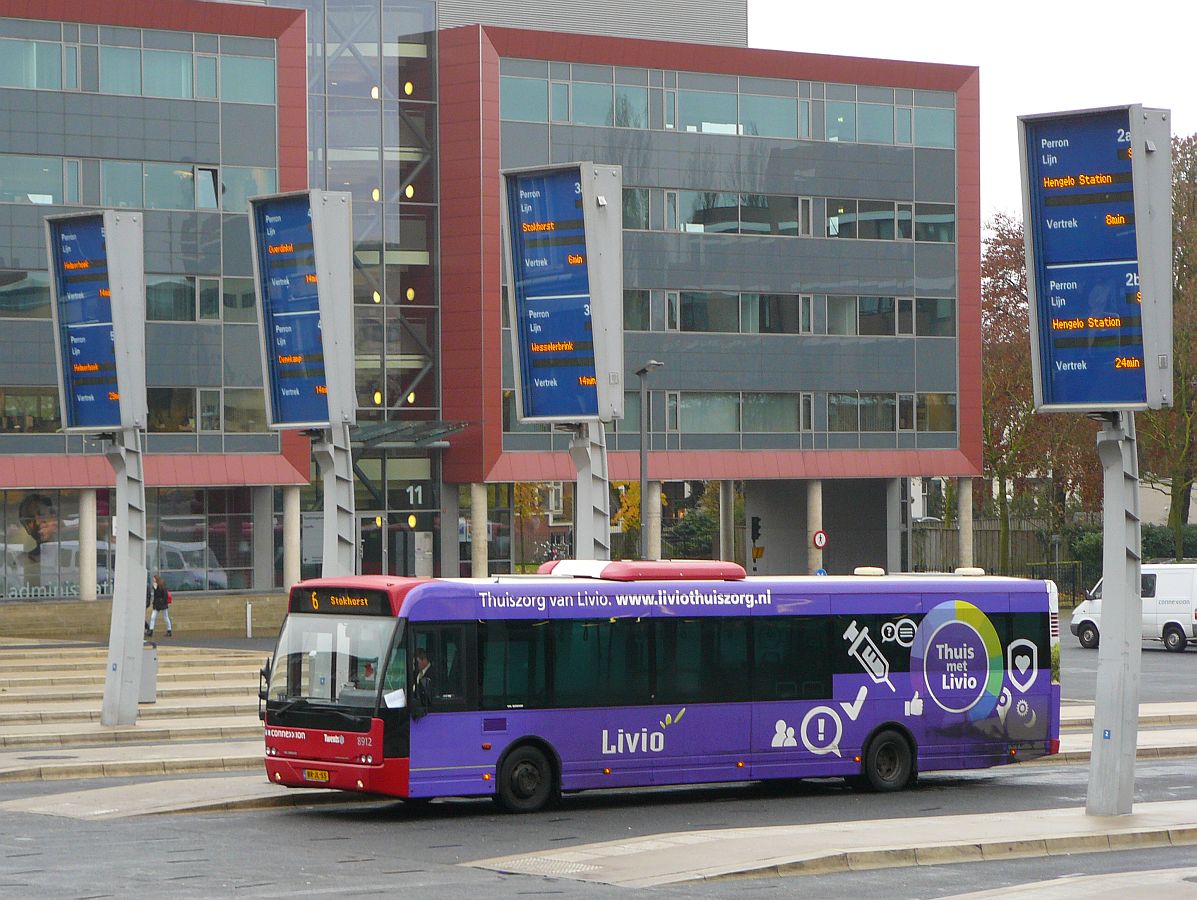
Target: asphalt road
(1166,677)
(387,848)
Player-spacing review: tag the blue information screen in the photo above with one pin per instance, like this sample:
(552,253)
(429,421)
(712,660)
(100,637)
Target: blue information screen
(1086,267)
(297,391)
(553,332)
(85,324)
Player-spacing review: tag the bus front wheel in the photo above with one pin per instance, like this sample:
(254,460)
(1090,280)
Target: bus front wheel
(526,781)
(888,764)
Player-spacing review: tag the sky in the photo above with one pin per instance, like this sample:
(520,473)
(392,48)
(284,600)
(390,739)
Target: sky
(1034,57)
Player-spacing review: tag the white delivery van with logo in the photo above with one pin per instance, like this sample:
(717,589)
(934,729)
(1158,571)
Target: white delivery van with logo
(1169,607)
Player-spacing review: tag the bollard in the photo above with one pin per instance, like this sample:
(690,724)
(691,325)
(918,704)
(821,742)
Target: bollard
(148,688)
(249,619)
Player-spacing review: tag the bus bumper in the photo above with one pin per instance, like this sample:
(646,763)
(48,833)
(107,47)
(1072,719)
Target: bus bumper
(391,778)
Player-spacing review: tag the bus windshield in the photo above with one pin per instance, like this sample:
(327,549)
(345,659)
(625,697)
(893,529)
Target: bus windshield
(328,660)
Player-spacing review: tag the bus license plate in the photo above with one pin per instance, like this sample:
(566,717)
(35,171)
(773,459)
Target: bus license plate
(315,775)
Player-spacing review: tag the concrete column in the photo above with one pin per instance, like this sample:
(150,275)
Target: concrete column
(814,522)
(449,536)
(964,501)
(727,520)
(893,525)
(479,529)
(263,537)
(87,546)
(652,519)
(291,536)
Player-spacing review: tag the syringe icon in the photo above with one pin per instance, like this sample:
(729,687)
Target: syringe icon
(868,655)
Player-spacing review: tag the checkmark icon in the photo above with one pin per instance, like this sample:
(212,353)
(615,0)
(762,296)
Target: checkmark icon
(853,708)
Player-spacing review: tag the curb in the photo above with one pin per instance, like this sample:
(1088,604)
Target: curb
(944,854)
(133,768)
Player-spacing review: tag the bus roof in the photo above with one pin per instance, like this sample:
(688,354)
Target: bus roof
(645,569)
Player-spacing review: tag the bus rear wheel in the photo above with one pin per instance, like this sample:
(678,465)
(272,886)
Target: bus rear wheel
(526,780)
(888,763)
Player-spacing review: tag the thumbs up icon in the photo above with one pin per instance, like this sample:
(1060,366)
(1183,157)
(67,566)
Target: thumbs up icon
(914,706)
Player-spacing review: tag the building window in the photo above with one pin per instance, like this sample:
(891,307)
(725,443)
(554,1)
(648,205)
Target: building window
(560,96)
(120,70)
(935,222)
(841,315)
(525,99)
(841,121)
(592,104)
(877,316)
(709,413)
(710,312)
(843,412)
(766,214)
(120,184)
(631,106)
(169,186)
(936,412)
(905,412)
(244,410)
(205,77)
(208,292)
(169,298)
(29,410)
(636,311)
(166,73)
(240,304)
(30,64)
(775,313)
(935,317)
(905,315)
(246,80)
(772,412)
(764,116)
(207,195)
(24,295)
(709,211)
(876,123)
(875,220)
(30,179)
(878,412)
(934,127)
(242,183)
(707,112)
(209,407)
(635,209)
(841,218)
(171,410)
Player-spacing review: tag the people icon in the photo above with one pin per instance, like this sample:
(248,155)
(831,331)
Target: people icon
(783,735)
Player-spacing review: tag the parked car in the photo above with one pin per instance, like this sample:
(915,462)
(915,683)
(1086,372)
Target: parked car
(1169,607)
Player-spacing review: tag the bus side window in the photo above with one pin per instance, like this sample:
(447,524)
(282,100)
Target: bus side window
(446,654)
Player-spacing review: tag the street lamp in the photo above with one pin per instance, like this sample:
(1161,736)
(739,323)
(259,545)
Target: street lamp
(642,374)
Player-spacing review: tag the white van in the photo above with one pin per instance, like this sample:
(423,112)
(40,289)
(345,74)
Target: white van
(1169,607)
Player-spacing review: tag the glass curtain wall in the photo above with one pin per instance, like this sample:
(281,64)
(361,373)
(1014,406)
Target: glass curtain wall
(372,94)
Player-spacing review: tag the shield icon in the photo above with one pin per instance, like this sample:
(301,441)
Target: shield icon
(1022,662)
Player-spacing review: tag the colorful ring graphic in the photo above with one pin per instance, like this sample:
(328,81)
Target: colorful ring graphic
(954,641)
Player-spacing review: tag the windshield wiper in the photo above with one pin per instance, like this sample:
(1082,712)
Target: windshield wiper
(289,705)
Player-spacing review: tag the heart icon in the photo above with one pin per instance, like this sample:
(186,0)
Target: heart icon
(1022,659)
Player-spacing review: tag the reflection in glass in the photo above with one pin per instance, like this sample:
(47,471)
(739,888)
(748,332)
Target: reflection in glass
(592,104)
(706,111)
(24,295)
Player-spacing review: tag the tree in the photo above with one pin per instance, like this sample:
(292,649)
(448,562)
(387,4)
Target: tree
(1168,452)
(528,505)
(1017,443)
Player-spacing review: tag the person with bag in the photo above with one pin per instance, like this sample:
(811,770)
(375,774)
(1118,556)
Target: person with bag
(161,604)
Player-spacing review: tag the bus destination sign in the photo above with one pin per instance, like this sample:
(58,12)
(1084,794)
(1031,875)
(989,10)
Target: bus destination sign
(296,389)
(554,332)
(87,350)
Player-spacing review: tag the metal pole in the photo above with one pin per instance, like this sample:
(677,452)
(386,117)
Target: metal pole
(1119,663)
(642,374)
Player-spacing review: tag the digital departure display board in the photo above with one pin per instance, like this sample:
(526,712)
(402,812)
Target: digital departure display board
(1084,249)
(297,389)
(553,327)
(87,348)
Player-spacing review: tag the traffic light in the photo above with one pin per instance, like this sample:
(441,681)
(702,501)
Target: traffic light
(756,528)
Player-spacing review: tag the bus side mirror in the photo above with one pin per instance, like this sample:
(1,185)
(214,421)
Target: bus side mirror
(263,688)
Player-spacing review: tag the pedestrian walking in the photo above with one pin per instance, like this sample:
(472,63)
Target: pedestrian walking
(161,604)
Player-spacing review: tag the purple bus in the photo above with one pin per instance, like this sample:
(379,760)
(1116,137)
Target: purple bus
(605,675)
